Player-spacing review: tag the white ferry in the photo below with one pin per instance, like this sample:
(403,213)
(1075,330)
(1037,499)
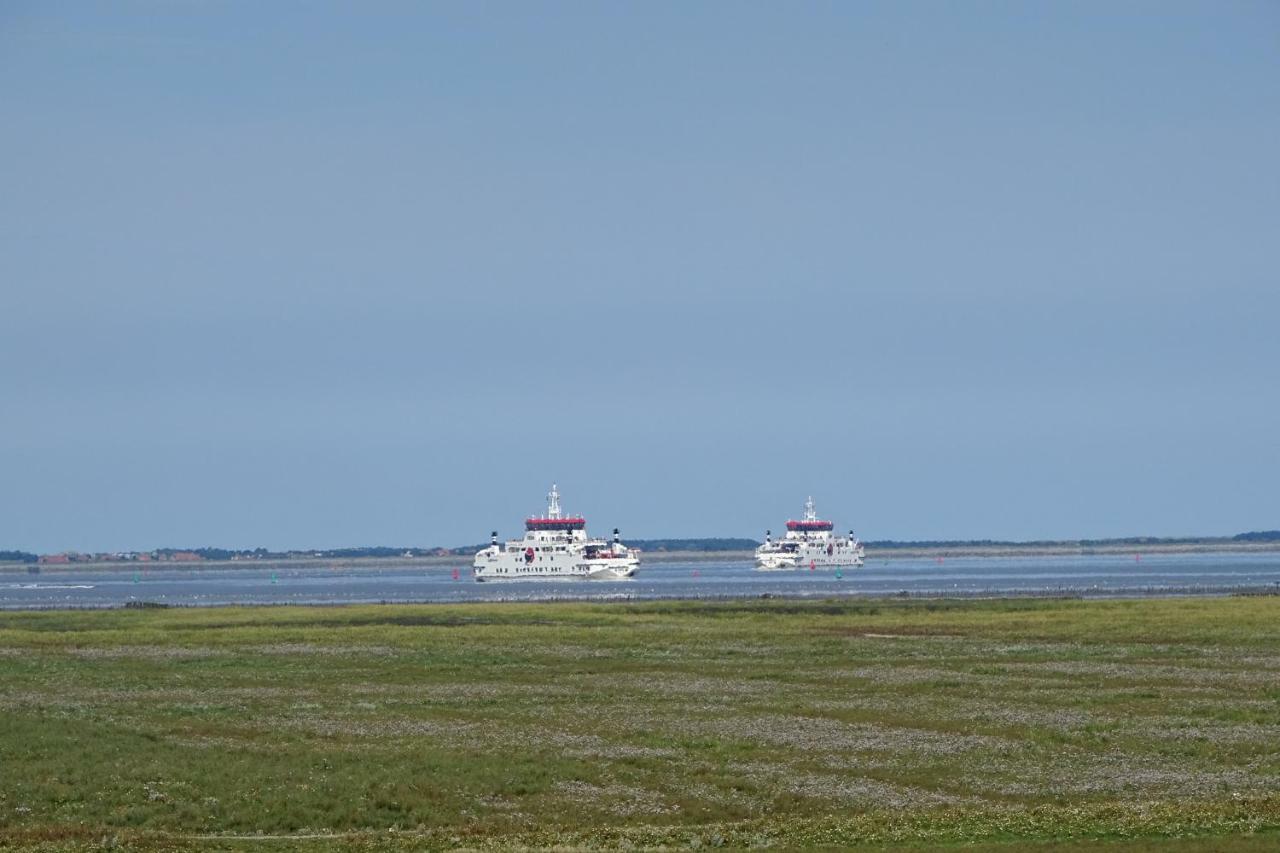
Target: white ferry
(808,544)
(556,546)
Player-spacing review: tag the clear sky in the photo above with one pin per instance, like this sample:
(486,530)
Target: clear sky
(309,274)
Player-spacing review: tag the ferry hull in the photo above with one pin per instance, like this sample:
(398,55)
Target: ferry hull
(581,570)
(618,570)
(788,565)
(613,573)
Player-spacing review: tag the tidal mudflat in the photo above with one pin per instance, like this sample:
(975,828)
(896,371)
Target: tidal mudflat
(1109,724)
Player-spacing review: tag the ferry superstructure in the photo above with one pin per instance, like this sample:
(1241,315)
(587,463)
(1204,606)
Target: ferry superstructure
(809,543)
(556,546)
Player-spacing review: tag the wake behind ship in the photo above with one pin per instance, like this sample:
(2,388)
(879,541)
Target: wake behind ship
(556,546)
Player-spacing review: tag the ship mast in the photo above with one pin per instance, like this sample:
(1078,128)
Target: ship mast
(553,502)
(810,511)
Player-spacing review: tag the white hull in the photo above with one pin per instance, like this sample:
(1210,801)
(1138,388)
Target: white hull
(595,570)
(614,573)
(777,563)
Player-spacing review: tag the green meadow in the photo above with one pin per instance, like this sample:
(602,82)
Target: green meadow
(990,725)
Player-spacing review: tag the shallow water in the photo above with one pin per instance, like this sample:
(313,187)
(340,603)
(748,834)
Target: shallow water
(1110,575)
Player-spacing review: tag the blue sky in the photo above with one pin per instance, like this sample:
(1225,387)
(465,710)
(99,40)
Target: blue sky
(317,275)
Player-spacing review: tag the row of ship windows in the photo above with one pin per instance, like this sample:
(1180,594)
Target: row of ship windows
(518,570)
(522,557)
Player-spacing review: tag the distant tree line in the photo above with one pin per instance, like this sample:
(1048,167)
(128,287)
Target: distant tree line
(316,553)
(704,544)
(890,544)
(711,544)
(1258,536)
(266,554)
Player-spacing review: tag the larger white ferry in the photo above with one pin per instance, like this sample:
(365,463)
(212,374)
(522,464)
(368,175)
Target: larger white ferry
(809,543)
(556,546)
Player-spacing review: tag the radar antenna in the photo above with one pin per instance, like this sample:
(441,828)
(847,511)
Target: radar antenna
(553,502)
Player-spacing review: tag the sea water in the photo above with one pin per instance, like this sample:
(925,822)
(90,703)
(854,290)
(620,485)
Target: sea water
(1092,575)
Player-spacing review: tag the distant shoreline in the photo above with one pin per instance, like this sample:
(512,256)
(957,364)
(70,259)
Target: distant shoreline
(1074,549)
(1064,549)
(903,552)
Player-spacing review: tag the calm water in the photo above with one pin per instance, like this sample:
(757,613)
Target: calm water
(1092,575)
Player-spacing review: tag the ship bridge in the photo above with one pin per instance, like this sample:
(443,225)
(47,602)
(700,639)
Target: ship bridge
(565,524)
(810,525)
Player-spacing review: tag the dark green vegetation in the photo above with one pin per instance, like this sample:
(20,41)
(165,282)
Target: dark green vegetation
(711,544)
(1058,725)
(1252,536)
(1258,536)
(264,554)
(704,545)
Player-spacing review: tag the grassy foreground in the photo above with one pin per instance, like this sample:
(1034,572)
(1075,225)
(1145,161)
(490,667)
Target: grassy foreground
(1058,725)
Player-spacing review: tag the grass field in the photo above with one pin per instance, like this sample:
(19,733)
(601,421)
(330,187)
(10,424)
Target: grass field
(1058,725)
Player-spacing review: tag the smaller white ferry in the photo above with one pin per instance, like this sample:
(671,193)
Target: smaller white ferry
(809,544)
(556,546)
